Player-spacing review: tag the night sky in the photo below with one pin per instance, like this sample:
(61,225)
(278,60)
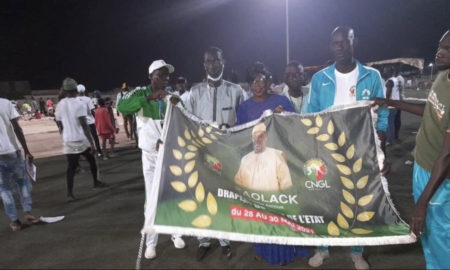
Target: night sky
(104,43)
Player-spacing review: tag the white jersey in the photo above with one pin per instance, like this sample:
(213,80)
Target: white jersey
(345,87)
(89,107)
(8,141)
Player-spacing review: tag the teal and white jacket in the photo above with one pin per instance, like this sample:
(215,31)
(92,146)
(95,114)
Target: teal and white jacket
(368,86)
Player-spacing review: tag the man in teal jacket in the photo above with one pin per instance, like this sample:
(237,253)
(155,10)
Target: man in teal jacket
(345,82)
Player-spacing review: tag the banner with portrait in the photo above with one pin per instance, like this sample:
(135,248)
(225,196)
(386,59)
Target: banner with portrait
(286,178)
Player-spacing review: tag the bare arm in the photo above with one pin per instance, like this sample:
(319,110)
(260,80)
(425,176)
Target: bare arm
(60,126)
(440,170)
(413,108)
(19,133)
(87,132)
(389,86)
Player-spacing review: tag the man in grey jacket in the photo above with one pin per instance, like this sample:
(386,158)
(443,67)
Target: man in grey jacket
(215,100)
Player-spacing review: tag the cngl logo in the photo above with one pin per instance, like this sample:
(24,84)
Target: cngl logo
(315,170)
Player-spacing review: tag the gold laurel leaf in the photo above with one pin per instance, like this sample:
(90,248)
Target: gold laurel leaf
(196,144)
(347,182)
(348,196)
(206,140)
(365,200)
(213,137)
(192,148)
(187,135)
(181,142)
(200,132)
(362,182)
(341,139)
(208,129)
(176,170)
(342,222)
(218,133)
(350,151)
(188,205)
(211,204)
(361,231)
(178,186)
(330,128)
(177,154)
(189,155)
(331,146)
(338,157)
(192,180)
(202,221)
(346,210)
(199,142)
(319,121)
(344,169)
(193,134)
(333,230)
(365,216)
(306,122)
(200,193)
(189,166)
(357,166)
(323,137)
(313,130)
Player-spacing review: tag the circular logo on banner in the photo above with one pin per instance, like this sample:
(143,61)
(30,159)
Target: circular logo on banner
(315,169)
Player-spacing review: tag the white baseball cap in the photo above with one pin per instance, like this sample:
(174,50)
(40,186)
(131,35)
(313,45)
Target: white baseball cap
(157,64)
(81,88)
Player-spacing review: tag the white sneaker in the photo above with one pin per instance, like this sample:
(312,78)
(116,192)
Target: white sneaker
(318,258)
(178,242)
(150,252)
(359,261)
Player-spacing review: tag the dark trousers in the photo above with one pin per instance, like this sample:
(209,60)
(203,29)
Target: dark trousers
(95,137)
(128,125)
(398,123)
(72,160)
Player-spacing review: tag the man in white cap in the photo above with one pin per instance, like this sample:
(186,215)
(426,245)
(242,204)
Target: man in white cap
(265,168)
(89,118)
(215,100)
(148,105)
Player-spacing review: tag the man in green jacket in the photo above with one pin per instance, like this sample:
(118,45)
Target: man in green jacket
(148,105)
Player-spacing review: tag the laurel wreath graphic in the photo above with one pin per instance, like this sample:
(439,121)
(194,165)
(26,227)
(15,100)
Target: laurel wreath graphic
(185,169)
(352,207)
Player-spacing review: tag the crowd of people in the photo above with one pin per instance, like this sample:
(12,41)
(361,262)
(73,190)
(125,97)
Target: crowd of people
(81,120)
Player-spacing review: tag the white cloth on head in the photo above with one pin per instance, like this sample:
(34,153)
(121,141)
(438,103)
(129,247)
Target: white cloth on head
(68,113)
(8,141)
(345,87)
(89,107)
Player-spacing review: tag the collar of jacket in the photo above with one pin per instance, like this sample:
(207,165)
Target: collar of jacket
(362,72)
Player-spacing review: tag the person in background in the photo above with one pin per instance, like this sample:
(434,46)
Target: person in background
(215,100)
(398,117)
(42,106)
(295,89)
(50,109)
(127,118)
(90,115)
(105,128)
(77,140)
(95,96)
(181,88)
(392,92)
(13,175)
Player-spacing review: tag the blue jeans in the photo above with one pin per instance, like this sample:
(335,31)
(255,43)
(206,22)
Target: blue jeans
(13,176)
(436,232)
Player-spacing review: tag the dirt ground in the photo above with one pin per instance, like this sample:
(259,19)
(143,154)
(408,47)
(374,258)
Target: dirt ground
(101,229)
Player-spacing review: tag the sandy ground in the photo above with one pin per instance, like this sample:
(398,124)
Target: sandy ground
(101,229)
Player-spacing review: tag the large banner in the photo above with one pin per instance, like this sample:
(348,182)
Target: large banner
(285,178)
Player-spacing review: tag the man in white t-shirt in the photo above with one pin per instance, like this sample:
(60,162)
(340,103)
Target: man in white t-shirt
(12,166)
(71,117)
(90,115)
(127,118)
(344,82)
